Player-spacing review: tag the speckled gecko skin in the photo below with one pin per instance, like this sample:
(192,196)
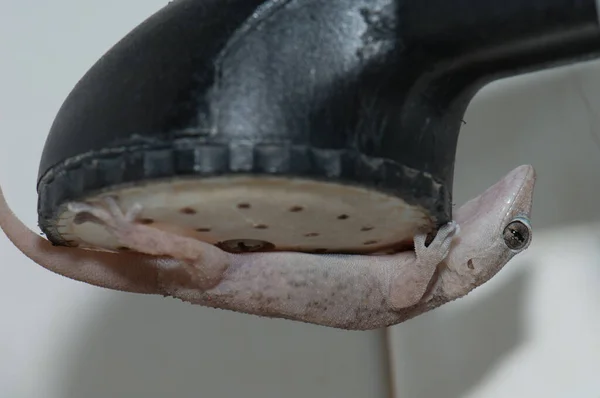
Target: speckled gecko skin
(355,292)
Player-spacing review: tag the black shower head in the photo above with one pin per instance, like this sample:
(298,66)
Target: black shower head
(315,125)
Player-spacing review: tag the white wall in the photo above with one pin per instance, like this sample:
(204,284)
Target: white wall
(533,331)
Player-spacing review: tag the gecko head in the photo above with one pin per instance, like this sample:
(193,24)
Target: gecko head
(494,227)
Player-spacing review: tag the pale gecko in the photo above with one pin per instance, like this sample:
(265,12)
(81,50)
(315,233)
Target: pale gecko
(357,292)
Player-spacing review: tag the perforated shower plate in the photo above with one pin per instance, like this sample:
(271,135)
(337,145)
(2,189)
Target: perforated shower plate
(263,214)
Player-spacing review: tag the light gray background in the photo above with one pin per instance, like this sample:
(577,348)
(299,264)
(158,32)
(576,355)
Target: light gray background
(533,331)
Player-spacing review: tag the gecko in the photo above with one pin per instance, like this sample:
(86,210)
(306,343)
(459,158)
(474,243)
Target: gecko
(353,292)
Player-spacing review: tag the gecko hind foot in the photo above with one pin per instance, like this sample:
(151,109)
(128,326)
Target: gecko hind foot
(203,263)
(120,224)
(129,216)
(110,214)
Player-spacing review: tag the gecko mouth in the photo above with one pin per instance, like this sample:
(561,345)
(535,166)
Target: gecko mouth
(262,214)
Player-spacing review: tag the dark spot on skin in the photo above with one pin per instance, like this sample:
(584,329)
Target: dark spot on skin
(470,264)
(343,217)
(370,242)
(257,296)
(203,229)
(187,210)
(317,305)
(123,248)
(311,234)
(365,229)
(298,283)
(146,221)
(261,226)
(296,209)
(243,206)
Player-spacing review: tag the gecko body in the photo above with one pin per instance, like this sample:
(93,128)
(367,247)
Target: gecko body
(356,292)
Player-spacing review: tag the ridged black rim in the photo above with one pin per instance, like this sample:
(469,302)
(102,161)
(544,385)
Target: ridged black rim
(96,172)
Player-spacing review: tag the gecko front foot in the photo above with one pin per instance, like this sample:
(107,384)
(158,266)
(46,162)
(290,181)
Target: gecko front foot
(439,247)
(412,279)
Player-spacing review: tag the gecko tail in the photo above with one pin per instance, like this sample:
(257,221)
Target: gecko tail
(129,272)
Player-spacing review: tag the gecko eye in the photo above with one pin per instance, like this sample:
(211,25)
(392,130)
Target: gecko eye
(517,234)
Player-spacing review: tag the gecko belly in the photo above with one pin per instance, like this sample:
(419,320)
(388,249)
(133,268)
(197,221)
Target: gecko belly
(246,213)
